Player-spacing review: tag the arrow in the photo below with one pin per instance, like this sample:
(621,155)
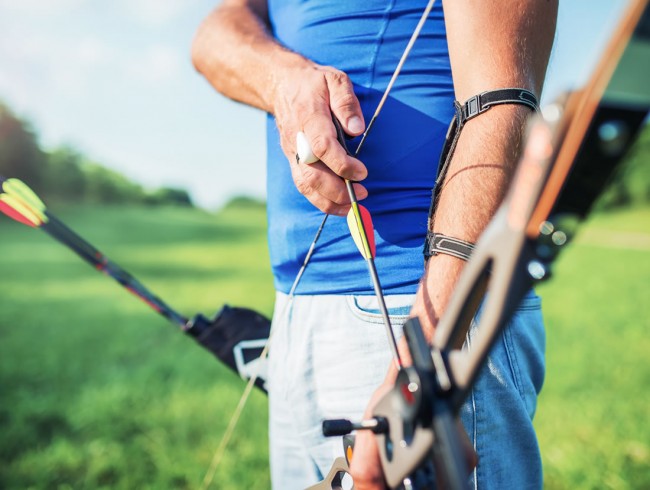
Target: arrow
(21,203)
(359,219)
(16,210)
(363,234)
(230,331)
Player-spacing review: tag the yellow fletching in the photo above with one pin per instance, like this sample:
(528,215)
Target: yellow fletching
(22,209)
(358,220)
(19,190)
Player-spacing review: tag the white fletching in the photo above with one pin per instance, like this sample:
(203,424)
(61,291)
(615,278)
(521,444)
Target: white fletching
(303,149)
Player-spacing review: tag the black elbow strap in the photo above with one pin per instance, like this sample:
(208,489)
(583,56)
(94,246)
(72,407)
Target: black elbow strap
(436,243)
(480,103)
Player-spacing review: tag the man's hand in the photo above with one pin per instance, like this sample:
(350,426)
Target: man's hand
(305,98)
(256,70)
(365,467)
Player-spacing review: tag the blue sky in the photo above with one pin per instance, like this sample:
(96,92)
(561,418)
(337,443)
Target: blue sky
(114,79)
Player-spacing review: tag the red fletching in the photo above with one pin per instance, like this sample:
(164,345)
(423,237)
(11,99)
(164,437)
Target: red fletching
(369,227)
(15,215)
(359,217)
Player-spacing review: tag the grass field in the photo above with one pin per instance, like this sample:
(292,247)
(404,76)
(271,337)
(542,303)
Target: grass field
(594,409)
(96,391)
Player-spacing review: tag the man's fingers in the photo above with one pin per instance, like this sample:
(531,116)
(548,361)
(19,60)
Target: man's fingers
(309,138)
(324,189)
(317,178)
(365,466)
(326,205)
(344,102)
(326,148)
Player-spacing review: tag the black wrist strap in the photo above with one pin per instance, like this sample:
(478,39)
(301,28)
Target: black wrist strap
(436,243)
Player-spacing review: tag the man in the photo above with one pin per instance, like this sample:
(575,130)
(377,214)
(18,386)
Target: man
(303,62)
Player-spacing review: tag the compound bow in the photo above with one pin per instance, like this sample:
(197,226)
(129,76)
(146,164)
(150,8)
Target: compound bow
(572,149)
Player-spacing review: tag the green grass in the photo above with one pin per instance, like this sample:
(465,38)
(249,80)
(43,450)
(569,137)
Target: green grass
(594,409)
(96,391)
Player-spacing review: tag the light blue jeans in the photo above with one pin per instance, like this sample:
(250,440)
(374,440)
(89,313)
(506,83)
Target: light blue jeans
(328,355)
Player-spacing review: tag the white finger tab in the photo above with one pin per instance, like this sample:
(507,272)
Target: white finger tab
(303,149)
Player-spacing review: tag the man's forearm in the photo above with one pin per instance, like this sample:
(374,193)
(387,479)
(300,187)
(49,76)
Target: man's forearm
(234,51)
(492,45)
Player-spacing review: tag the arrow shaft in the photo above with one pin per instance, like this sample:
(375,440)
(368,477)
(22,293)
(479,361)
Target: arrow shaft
(384,313)
(372,269)
(20,202)
(61,232)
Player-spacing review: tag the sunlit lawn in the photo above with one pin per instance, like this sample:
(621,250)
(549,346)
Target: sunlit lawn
(98,391)
(593,416)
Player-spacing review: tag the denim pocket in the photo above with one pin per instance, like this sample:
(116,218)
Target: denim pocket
(524,343)
(366,308)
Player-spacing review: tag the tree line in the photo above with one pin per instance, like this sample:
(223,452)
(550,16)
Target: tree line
(64,174)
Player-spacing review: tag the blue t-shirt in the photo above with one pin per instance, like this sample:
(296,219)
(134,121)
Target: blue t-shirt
(365,39)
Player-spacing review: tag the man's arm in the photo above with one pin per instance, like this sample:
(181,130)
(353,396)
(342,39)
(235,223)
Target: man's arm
(235,51)
(492,45)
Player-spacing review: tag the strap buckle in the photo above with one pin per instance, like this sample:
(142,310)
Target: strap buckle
(473,107)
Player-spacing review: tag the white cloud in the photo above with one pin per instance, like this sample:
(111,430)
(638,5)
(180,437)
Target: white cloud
(92,51)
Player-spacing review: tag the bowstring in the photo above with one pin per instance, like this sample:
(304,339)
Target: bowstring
(232,424)
(234,419)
